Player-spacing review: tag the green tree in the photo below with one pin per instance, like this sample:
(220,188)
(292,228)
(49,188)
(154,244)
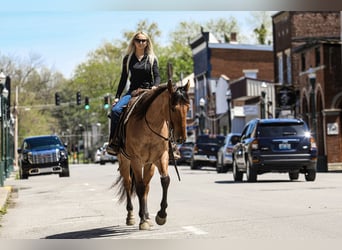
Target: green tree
(261,23)
(261,34)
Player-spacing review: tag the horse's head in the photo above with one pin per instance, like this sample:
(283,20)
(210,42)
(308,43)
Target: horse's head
(179,107)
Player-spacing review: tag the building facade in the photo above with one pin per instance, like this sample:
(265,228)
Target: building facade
(215,62)
(307,55)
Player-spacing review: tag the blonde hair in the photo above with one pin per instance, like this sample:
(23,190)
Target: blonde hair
(148,50)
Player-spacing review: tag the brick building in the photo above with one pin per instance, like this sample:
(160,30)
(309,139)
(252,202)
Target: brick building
(307,55)
(214,61)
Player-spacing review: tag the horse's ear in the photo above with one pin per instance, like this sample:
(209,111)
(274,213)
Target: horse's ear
(170,87)
(187,86)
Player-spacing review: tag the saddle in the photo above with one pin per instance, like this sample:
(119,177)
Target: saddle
(118,140)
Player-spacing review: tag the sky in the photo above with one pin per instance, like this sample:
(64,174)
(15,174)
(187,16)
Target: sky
(64,38)
(63,32)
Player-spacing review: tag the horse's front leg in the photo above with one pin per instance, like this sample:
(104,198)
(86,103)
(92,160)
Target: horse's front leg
(142,188)
(148,174)
(144,220)
(161,215)
(163,165)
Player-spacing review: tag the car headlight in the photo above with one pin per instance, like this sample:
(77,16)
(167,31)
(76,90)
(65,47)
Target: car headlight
(63,154)
(28,157)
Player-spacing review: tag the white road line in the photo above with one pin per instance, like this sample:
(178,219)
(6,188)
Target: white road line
(194,230)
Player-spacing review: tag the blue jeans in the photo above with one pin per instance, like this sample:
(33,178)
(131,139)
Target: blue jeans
(116,112)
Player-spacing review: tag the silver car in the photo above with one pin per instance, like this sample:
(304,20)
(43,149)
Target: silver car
(224,155)
(105,157)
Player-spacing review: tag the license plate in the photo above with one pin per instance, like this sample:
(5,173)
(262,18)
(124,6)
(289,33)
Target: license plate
(285,146)
(211,157)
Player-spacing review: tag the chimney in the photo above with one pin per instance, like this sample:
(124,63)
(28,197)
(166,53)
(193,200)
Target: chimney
(233,37)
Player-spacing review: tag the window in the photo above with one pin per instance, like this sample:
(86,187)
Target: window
(317,57)
(302,59)
(288,67)
(280,68)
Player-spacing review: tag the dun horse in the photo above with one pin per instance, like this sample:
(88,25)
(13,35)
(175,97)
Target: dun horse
(159,116)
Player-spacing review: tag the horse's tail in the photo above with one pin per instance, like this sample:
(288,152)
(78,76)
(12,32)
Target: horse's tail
(121,187)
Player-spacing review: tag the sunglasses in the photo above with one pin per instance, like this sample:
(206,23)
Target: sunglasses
(140,40)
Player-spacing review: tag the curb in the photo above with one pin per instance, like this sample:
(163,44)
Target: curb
(4,196)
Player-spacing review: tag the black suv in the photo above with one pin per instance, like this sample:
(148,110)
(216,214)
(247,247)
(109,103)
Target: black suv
(205,150)
(275,145)
(43,155)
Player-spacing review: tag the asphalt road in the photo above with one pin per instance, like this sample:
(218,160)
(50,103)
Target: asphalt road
(203,205)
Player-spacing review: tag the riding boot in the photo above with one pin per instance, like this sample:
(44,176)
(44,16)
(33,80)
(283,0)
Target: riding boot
(113,144)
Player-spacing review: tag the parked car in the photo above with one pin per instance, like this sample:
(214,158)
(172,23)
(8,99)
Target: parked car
(185,150)
(275,145)
(97,155)
(224,154)
(44,154)
(105,157)
(205,150)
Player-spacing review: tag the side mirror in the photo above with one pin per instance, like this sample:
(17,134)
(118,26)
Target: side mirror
(19,150)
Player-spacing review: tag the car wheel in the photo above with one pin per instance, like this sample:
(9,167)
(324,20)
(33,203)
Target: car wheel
(251,172)
(225,168)
(293,175)
(65,172)
(193,165)
(310,175)
(219,166)
(237,174)
(22,175)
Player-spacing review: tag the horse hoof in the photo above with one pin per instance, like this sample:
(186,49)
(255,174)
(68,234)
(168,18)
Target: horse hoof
(160,221)
(130,221)
(149,221)
(144,225)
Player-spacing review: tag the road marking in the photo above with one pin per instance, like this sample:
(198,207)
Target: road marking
(195,230)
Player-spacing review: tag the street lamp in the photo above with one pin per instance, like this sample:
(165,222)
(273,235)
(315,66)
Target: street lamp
(312,80)
(263,98)
(202,123)
(229,98)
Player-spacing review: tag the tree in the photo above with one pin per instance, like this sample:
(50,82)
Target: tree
(261,34)
(257,20)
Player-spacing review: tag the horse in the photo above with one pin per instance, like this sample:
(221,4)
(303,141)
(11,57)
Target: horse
(158,117)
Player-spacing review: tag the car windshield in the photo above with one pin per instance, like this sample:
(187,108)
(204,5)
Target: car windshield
(41,143)
(281,129)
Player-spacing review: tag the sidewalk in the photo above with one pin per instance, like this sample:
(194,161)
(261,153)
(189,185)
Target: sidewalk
(6,191)
(4,195)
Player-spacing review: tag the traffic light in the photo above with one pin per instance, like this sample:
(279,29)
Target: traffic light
(86,103)
(106,102)
(78,98)
(57,99)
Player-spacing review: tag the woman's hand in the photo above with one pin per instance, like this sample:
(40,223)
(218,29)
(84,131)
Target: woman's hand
(115,101)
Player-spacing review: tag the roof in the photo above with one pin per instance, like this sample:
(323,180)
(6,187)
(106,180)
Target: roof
(258,47)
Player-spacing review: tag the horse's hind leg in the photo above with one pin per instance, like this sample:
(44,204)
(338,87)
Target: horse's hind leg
(128,183)
(161,215)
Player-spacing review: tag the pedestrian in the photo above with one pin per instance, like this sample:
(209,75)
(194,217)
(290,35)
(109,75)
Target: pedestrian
(140,65)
